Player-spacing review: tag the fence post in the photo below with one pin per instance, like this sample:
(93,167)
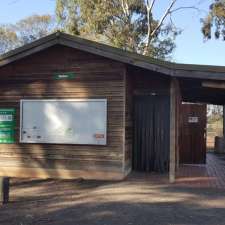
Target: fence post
(4,190)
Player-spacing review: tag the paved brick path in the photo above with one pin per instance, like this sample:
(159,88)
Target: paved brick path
(210,175)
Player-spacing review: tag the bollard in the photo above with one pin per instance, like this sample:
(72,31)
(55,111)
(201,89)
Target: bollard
(4,190)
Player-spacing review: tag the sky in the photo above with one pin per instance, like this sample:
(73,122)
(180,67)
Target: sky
(191,47)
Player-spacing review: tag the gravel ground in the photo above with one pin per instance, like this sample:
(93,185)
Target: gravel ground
(130,202)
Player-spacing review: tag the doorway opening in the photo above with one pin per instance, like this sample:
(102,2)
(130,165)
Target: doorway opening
(214,128)
(151,133)
(200,141)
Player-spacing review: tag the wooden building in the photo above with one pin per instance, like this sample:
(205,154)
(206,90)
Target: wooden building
(143,98)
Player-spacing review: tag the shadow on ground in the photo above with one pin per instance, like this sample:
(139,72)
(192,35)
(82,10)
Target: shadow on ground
(133,201)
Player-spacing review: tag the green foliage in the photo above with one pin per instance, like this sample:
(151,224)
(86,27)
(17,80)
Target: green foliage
(215,124)
(215,21)
(66,13)
(214,113)
(8,39)
(34,27)
(25,31)
(214,121)
(120,23)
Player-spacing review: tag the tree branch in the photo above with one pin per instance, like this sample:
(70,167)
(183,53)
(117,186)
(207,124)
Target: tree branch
(185,7)
(168,11)
(125,7)
(151,34)
(171,21)
(149,12)
(150,4)
(149,7)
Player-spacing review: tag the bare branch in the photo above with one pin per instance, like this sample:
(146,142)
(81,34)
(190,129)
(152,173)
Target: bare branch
(185,7)
(168,11)
(151,34)
(171,21)
(150,5)
(149,12)
(125,7)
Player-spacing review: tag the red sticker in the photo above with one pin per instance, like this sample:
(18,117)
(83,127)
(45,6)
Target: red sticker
(99,135)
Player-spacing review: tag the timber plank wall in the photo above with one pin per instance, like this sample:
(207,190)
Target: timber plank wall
(96,77)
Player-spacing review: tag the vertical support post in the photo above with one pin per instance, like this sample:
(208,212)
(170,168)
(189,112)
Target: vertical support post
(223,121)
(178,117)
(177,139)
(4,190)
(172,168)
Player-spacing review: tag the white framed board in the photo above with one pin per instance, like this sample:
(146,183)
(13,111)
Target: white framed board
(73,121)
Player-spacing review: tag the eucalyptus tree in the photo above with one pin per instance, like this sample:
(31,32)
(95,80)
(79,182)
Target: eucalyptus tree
(214,22)
(25,31)
(8,39)
(126,24)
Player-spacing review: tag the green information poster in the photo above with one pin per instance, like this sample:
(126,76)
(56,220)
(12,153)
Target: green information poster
(7,125)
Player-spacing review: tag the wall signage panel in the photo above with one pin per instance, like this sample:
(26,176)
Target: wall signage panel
(7,126)
(64,76)
(65,121)
(192,119)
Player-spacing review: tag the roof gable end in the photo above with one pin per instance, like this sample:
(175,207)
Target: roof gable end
(166,68)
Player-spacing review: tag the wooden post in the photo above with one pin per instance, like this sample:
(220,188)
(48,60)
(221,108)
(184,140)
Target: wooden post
(223,121)
(172,168)
(4,190)
(178,118)
(177,140)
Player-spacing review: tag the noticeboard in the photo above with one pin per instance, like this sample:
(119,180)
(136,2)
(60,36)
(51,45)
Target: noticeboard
(7,125)
(64,121)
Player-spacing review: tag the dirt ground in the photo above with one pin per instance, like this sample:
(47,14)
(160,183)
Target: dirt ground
(135,201)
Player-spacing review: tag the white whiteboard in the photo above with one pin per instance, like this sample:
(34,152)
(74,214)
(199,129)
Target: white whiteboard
(64,121)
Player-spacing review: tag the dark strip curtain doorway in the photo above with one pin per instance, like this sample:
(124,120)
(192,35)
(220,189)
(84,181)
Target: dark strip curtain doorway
(151,133)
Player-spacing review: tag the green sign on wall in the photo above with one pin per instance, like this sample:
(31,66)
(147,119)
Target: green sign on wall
(7,125)
(64,76)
